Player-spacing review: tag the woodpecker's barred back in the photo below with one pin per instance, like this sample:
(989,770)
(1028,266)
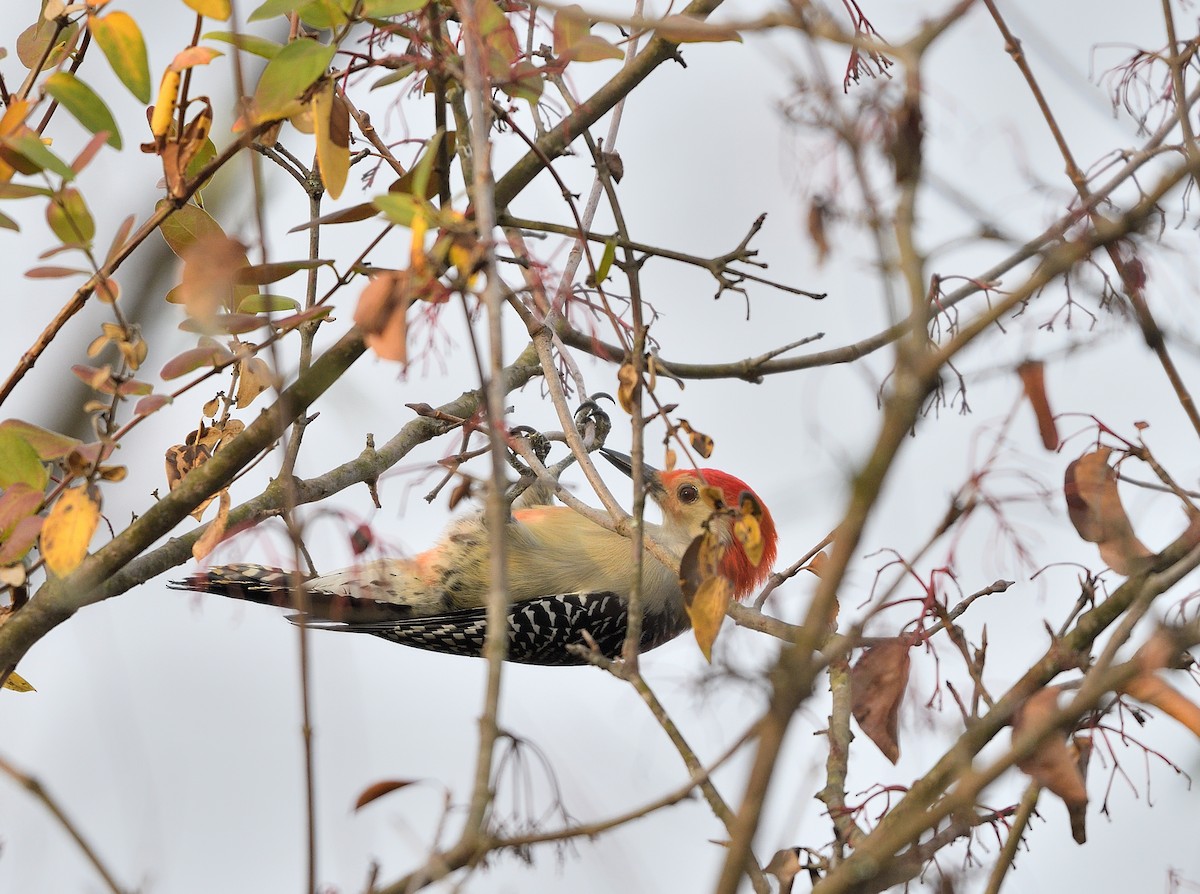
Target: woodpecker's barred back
(569,579)
(539,630)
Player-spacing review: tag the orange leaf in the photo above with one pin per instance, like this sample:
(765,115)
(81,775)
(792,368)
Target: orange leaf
(381,315)
(1094,506)
(877,683)
(1034,379)
(68,529)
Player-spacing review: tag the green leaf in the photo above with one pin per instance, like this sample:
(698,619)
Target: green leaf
(49,445)
(258,46)
(211,9)
(123,46)
(85,104)
(33,150)
(382,9)
(606,260)
(186,225)
(399,208)
(288,76)
(70,219)
(274,8)
(398,75)
(19,462)
(326,14)
(258,304)
(424,168)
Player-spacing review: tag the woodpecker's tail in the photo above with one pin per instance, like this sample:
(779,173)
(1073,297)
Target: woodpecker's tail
(274,586)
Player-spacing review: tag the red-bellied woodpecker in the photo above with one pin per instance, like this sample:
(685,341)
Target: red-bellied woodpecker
(567,576)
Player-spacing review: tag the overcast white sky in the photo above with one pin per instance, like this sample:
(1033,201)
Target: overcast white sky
(168,725)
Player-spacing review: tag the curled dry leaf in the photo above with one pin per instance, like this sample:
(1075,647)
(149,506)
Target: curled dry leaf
(254,377)
(1094,505)
(198,447)
(817,563)
(69,527)
(379,789)
(1054,763)
(215,532)
(1033,377)
(701,442)
(877,683)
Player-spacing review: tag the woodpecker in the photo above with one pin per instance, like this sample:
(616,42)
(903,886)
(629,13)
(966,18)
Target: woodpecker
(567,577)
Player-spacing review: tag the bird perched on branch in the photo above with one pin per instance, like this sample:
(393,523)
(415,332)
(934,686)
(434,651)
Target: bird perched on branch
(569,579)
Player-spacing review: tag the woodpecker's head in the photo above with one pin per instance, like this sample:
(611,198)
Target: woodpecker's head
(685,512)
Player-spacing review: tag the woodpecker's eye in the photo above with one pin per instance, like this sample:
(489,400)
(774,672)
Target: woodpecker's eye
(688,494)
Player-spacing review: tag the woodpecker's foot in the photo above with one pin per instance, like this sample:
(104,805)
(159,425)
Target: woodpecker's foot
(592,422)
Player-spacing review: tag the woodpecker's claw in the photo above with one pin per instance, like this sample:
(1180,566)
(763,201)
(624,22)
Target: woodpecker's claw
(589,415)
(538,443)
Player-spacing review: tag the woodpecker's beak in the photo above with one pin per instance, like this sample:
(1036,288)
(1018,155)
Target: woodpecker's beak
(624,462)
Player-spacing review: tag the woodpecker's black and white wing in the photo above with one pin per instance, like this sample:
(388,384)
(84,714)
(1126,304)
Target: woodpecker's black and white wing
(540,631)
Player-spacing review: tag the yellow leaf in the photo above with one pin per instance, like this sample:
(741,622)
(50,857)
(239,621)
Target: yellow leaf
(212,9)
(627,379)
(69,528)
(331,126)
(707,611)
(122,44)
(17,683)
(747,529)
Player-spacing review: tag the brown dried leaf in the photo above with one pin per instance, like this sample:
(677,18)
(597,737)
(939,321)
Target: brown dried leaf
(877,683)
(1094,506)
(215,531)
(1054,764)
(381,314)
(69,527)
(254,377)
(669,460)
(818,214)
(817,563)
(1034,379)
(379,789)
